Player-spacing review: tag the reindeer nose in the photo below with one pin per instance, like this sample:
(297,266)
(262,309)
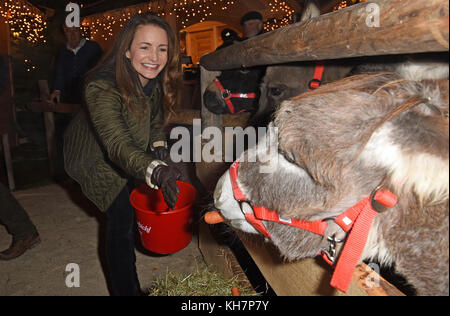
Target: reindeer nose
(212,103)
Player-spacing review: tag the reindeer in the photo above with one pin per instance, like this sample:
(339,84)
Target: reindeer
(234,91)
(339,146)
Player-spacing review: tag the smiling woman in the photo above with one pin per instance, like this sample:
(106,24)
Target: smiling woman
(148,52)
(118,136)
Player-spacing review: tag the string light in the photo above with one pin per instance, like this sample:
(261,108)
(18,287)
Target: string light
(24,20)
(104,25)
(346,3)
(279,8)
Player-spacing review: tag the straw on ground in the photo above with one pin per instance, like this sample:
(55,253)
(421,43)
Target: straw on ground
(201,282)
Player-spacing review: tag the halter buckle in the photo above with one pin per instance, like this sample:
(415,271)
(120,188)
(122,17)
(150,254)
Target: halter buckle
(331,251)
(226,94)
(314,83)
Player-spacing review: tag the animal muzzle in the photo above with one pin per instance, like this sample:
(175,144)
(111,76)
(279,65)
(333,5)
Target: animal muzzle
(214,103)
(229,209)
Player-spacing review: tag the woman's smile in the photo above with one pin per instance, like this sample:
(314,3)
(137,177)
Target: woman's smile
(148,52)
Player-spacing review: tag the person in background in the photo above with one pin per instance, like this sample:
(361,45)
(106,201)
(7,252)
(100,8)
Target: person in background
(75,59)
(12,214)
(18,224)
(253,25)
(118,135)
(229,37)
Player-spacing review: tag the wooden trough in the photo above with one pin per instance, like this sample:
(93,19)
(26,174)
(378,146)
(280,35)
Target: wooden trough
(413,26)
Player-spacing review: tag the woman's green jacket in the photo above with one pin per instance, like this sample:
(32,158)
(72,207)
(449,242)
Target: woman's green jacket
(106,145)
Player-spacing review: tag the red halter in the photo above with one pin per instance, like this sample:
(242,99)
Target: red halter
(315,82)
(357,219)
(227,95)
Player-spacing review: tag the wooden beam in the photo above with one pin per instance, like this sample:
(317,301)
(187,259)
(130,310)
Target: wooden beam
(311,277)
(46,106)
(412,26)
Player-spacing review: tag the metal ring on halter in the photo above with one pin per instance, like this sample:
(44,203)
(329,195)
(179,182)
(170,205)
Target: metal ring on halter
(226,94)
(314,80)
(372,197)
(331,252)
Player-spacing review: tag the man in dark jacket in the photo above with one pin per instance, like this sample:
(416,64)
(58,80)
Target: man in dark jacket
(12,215)
(74,60)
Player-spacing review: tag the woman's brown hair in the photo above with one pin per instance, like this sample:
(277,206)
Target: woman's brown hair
(127,79)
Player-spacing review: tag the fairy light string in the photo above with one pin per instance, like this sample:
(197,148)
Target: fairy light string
(28,22)
(104,25)
(25,20)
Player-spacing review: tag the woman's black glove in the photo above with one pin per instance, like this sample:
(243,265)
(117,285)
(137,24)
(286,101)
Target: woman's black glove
(166,179)
(162,153)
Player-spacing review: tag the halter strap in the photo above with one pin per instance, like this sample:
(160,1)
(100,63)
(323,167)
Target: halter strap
(315,82)
(357,220)
(227,95)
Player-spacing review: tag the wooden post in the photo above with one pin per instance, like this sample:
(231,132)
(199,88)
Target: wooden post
(208,118)
(49,123)
(8,161)
(208,173)
(412,26)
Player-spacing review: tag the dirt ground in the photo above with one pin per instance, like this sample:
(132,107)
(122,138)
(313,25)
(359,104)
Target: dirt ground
(71,230)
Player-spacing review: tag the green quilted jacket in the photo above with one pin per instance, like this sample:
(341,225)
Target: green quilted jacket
(105,144)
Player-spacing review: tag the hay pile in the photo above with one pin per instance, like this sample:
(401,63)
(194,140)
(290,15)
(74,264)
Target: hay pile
(201,282)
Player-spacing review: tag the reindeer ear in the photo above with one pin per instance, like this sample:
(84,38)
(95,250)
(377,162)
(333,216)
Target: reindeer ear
(414,146)
(311,10)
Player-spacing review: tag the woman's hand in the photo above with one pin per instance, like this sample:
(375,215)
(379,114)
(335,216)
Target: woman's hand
(165,178)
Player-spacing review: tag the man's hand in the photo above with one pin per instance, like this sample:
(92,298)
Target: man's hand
(55,95)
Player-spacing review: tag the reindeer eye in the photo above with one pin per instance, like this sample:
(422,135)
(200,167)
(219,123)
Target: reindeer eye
(288,156)
(275,91)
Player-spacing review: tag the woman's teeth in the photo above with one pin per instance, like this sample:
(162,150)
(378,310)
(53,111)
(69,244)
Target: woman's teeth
(150,66)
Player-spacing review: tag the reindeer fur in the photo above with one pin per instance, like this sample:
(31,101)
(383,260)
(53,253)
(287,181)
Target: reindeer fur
(346,138)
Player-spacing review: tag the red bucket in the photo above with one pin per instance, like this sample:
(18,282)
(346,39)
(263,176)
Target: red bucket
(164,230)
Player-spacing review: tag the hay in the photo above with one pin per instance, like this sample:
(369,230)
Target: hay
(200,282)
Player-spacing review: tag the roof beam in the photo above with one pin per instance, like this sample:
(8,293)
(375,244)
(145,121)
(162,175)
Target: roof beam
(412,26)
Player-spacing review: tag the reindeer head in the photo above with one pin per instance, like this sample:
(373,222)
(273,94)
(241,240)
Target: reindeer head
(239,86)
(336,145)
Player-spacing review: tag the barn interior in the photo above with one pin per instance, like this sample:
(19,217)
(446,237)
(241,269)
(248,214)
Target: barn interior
(70,226)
